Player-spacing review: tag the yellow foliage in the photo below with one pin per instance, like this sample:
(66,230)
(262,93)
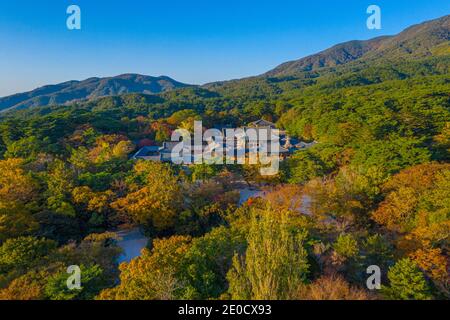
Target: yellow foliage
(433,262)
(331,288)
(157,201)
(417,204)
(152,275)
(15,184)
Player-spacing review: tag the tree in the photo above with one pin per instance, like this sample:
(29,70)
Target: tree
(95,249)
(16,185)
(154,275)
(393,155)
(92,282)
(275,262)
(202,172)
(109,147)
(417,204)
(30,286)
(178,117)
(18,189)
(207,262)
(345,257)
(122,149)
(79,159)
(347,197)
(286,197)
(377,250)
(162,131)
(407,282)
(18,193)
(26,148)
(208,202)
(302,167)
(433,263)
(155,196)
(97,203)
(22,253)
(331,288)
(346,246)
(60,182)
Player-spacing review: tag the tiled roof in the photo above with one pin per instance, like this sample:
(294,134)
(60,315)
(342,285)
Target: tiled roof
(261,123)
(147,151)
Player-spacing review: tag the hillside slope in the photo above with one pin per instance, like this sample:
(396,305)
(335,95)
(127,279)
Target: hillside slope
(418,41)
(91,88)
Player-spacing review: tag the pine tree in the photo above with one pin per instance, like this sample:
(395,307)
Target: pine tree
(407,282)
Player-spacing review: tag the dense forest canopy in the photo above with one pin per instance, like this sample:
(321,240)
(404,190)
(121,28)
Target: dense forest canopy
(377,184)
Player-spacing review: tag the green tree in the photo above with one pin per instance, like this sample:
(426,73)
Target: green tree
(275,262)
(23,253)
(60,182)
(156,196)
(154,275)
(25,148)
(207,262)
(202,172)
(407,282)
(92,282)
(302,167)
(30,286)
(18,195)
(392,155)
(346,246)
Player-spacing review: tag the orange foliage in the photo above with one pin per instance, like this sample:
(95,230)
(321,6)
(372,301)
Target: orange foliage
(27,287)
(288,197)
(157,201)
(110,146)
(15,184)
(332,288)
(433,262)
(153,274)
(415,202)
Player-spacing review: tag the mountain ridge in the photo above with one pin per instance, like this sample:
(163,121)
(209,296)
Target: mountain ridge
(416,41)
(426,39)
(91,88)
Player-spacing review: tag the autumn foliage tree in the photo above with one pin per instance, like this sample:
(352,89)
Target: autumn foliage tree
(332,287)
(155,196)
(153,275)
(18,193)
(407,282)
(434,263)
(108,147)
(417,204)
(98,204)
(30,286)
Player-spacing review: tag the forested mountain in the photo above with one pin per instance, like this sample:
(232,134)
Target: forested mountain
(376,185)
(419,41)
(91,88)
(426,40)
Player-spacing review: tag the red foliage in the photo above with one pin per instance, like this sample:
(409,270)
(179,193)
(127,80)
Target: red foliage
(146,143)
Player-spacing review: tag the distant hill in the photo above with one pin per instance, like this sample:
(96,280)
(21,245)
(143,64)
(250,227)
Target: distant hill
(88,89)
(418,41)
(422,48)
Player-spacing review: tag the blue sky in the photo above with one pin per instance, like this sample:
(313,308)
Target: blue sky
(195,41)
